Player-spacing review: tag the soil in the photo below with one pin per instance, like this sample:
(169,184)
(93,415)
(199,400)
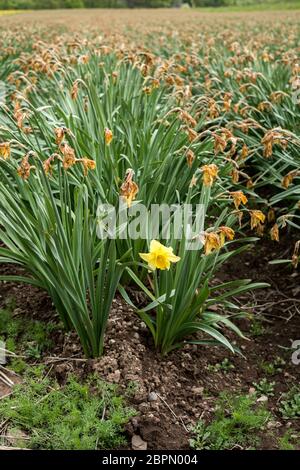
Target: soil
(173,392)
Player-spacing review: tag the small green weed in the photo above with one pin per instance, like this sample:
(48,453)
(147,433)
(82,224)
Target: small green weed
(288,440)
(290,405)
(237,420)
(224,366)
(264,387)
(275,367)
(257,328)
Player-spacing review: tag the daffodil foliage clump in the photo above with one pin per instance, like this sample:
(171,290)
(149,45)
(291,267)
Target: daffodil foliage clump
(209,116)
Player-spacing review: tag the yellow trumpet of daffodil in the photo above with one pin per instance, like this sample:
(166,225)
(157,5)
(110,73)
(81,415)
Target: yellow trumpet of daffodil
(160,256)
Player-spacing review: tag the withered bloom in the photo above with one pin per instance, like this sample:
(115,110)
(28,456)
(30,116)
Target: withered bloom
(147,90)
(187,118)
(5,150)
(238,198)
(69,158)
(60,133)
(235,175)
(210,173)
(270,138)
(108,135)
(245,151)
(212,242)
(192,135)
(25,168)
(257,218)
(75,90)
(47,165)
(220,144)
(190,157)
(288,179)
(88,164)
(225,233)
(129,188)
(274,232)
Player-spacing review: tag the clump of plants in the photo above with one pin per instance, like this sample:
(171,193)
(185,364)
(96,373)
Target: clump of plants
(264,387)
(87,416)
(224,366)
(290,404)
(26,336)
(289,441)
(274,367)
(236,423)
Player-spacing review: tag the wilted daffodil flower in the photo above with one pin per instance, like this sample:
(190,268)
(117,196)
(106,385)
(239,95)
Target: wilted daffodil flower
(5,150)
(210,172)
(160,256)
(216,240)
(108,136)
(257,218)
(129,188)
(238,198)
(212,242)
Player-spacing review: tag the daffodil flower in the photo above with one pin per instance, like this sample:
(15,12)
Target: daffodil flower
(129,188)
(257,218)
(210,172)
(159,257)
(5,150)
(108,135)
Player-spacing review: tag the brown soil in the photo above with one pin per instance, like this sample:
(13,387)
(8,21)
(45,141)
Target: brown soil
(182,385)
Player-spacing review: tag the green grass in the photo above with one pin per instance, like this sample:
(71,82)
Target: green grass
(294,5)
(76,416)
(288,441)
(24,335)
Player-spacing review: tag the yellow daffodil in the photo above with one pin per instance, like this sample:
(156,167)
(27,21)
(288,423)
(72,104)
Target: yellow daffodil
(160,256)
